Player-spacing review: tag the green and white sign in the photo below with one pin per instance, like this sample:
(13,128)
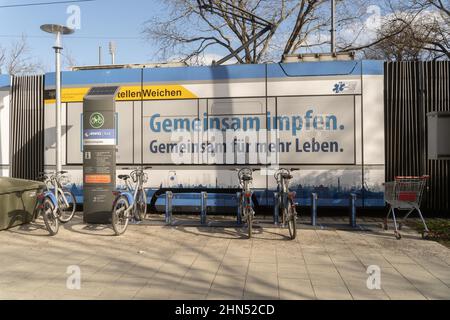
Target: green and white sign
(96,120)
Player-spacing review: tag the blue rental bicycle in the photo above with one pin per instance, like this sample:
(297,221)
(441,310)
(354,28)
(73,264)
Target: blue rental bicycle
(55,209)
(130,203)
(286,201)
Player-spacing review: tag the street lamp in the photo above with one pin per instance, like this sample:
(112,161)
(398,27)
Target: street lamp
(58,30)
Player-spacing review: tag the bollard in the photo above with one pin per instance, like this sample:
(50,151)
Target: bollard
(314,198)
(353,210)
(169,197)
(276,206)
(239,213)
(203,209)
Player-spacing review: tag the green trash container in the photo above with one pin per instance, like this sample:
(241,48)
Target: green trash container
(17,201)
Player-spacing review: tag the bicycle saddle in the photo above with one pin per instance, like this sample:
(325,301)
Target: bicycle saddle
(123,176)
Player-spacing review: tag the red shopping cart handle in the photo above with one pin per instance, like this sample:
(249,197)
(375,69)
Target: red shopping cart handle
(412,177)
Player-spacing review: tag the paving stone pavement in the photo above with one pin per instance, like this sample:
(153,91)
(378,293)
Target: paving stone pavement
(187,261)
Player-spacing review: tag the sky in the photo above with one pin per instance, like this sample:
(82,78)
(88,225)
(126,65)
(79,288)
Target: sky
(121,21)
(101,21)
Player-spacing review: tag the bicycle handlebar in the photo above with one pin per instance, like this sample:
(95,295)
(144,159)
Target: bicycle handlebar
(280,172)
(245,172)
(138,172)
(51,175)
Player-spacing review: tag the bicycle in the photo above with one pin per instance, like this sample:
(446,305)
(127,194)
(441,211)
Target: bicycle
(245,202)
(130,203)
(286,203)
(55,208)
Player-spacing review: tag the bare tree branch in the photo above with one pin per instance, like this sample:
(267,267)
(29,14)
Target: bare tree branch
(68,59)
(2,58)
(229,31)
(19,60)
(424,32)
(306,7)
(301,26)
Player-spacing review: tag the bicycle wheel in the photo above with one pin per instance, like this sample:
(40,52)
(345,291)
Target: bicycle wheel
(249,223)
(120,217)
(292,220)
(66,212)
(51,222)
(283,215)
(241,209)
(141,205)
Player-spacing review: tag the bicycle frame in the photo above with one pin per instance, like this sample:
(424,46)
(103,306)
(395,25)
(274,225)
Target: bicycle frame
(51,196)
(53,181)
(128,192)
(131,193)
(284,195)
(246,196)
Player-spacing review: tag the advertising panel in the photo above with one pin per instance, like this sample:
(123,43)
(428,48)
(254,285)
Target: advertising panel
(302,130)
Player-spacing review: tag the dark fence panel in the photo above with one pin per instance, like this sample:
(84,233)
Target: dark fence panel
(412,89)
(27,127)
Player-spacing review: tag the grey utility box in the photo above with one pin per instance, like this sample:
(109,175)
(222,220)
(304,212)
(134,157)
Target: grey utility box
(99,154)
(439,135)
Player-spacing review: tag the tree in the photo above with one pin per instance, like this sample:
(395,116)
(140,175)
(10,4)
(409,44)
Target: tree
(414,29)
(2,58)
(17,60)
(207,30)
(399,41)
(405,29)
(298,25)
(437,24)
(69,59)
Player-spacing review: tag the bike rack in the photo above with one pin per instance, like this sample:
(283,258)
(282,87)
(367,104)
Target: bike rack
(275,208)
(314,197)
(204,210)
(238,212)
(204,207)
(352,210)
(168,216)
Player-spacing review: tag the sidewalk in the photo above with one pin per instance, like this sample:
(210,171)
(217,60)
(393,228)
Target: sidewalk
(153,261)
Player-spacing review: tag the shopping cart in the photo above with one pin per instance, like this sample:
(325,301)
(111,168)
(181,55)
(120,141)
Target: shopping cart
(405,194)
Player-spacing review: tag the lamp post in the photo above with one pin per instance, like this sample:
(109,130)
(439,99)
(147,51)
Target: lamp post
(58,30)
